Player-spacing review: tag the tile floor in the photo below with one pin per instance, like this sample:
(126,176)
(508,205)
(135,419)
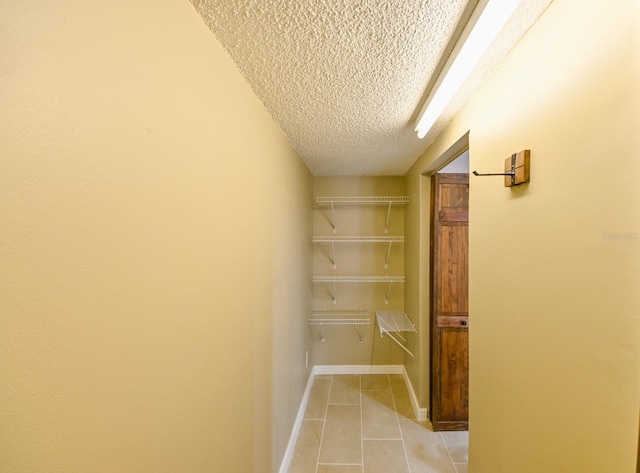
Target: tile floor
(365,424)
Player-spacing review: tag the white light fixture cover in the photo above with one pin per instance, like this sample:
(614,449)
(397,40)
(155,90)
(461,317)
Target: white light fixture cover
(489,24)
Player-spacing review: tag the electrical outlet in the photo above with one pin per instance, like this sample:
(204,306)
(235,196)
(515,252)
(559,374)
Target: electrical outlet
(306,359)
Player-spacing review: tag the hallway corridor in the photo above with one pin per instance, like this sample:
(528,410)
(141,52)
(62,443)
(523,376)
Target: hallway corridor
(365,424)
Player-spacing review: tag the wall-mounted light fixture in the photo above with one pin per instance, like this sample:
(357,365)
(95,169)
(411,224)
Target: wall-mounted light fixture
(490,22)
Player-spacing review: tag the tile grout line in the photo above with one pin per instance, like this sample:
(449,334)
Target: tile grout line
(361,394)
(361,429)
(324,423)
(340,464)
(395,408)
(448,452)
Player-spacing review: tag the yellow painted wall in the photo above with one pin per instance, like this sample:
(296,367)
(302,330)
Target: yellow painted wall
(554,265)
(154,247)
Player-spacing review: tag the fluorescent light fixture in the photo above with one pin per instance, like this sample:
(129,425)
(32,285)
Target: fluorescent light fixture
(491,21)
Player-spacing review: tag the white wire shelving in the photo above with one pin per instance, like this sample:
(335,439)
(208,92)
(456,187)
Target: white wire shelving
(358,239)
(334,202)
(333,280)
(389,240)
(358,279)
(349,317)
(393,323)
(357,319)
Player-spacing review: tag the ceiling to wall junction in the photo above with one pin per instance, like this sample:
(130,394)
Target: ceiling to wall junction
(345,79)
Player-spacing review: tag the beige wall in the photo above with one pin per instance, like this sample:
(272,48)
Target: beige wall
(154,240)
(555,335)
(341,345)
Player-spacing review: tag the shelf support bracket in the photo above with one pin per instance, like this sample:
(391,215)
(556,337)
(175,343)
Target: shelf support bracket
(386,227)
(386,263)
(333,254)
(333,218)
(396,322)
(386,299)
(398,343)
(334,292)
(360,335)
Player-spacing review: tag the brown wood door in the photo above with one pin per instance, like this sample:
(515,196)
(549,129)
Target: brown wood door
(450,302)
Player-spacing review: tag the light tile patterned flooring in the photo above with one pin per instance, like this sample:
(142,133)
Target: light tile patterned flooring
(365,424)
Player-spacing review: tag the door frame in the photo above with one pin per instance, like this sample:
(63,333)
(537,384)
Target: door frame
(456,149)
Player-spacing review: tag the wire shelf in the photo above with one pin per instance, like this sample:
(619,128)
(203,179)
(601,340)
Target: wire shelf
(392,322)
(339,318)
(388,240)
(357,239)
(359,279)
(377,200)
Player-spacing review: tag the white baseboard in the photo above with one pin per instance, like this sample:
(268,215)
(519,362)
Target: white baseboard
(420,413)
(288,453)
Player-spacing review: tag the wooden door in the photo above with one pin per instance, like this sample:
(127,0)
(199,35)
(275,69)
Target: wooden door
(450,302)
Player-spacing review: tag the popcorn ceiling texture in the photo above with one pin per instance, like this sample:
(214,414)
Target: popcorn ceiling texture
(344,79)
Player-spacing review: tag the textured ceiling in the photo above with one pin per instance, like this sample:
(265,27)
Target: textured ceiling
(344,79)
